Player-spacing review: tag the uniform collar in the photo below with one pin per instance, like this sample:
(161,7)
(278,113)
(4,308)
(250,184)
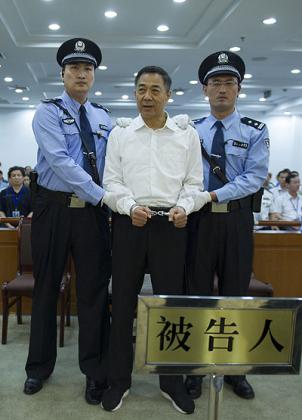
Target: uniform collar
(227,121)
(72,103)
(139,123)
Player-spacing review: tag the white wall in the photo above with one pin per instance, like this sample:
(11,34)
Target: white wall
(18,147)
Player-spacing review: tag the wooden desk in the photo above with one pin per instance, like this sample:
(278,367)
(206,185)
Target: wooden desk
(278,260)
(8,256)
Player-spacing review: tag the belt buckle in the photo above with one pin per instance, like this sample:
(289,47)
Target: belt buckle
(76,202)
(219,207)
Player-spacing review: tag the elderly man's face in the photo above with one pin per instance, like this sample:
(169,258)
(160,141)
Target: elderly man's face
(151,96)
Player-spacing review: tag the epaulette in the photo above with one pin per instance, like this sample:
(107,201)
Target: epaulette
(199,120)
(57,103)
(100,106)
(253,123)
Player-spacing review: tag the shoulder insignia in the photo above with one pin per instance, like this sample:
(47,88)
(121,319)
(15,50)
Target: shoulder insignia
(253,123)
(100,106)
(198,120)
(57,103)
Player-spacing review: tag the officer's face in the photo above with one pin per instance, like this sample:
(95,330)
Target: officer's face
(222,92)
(16,178)
(151,96)
(78,79)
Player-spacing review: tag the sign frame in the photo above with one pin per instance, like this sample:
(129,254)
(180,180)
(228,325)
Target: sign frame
(145,303)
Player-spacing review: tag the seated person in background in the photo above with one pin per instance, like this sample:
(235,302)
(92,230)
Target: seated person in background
(26,181)
(28,170)
(281,188)
(289,206)
(15,200)
(266,207)
(3,182)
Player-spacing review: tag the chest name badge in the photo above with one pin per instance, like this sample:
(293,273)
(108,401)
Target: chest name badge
(68,121)
(240,144)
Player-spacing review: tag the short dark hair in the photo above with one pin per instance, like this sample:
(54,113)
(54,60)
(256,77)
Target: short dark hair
(291,176)
(16,168)
(284,171)
(1,173)
(158,70)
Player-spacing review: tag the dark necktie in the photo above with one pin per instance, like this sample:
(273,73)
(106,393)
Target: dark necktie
(218,153)
(89,140)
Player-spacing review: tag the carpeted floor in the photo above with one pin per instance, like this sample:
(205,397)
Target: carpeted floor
(277,397)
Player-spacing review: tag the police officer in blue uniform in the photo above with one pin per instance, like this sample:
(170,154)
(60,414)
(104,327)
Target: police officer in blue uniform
(69,217)
(236,165)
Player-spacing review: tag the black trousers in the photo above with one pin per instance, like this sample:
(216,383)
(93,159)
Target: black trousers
(159,246)
(56,231)
(220,243)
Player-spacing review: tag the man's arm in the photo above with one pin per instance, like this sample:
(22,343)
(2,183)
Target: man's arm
(52,143)
(192,197)
(118,197)
(254,174)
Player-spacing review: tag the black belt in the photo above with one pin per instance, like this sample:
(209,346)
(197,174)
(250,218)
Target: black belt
(65,198)
(242,203)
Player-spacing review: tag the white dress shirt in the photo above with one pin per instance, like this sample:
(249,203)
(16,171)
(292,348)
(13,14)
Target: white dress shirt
(155,168)
(288,207)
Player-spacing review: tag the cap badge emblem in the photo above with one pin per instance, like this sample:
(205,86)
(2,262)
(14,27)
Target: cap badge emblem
(79,46)
(223,58)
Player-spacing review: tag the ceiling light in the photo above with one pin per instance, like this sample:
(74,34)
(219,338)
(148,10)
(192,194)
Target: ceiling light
(170,100)
(102,67)
(125,97)
(98,93)
(287,113)
(179,1)
(25,98)
(269,21)
(295,71)
(135,74)
(8,79)
(179,92)
(163,28)
(206,98)
(110,14)
(235,49)
(242,95)
(248,76)
(54,27)
(18,90)
(193,82)
(262,99)
(0,65)
(31,106)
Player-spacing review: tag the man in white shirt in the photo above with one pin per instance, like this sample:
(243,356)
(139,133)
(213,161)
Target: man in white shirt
(154,169)
(289,206)
(280,189)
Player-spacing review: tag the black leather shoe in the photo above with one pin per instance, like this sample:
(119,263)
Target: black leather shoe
(193,386)
(94,391)
(32,385)
(241,386)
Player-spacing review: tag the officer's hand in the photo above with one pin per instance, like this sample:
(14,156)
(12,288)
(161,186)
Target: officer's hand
(182,121)
(140,216)
(123,122)
(178,216)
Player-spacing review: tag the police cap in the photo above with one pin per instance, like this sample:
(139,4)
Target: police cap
(221,62)
(79,50)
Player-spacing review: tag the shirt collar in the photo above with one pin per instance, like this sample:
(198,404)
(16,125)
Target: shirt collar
(72,103)
(227,121)
(139,123)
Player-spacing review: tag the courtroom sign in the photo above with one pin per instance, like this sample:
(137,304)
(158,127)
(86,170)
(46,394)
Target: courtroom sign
(177,334)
